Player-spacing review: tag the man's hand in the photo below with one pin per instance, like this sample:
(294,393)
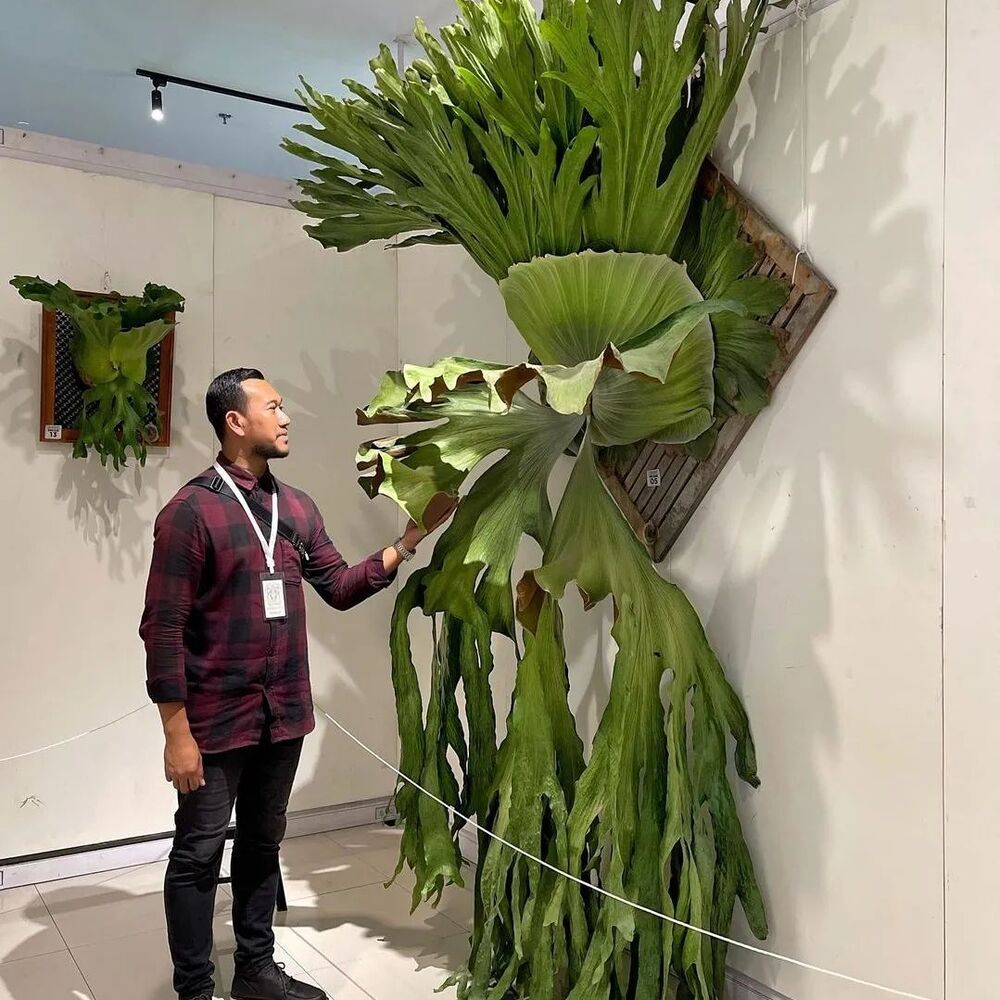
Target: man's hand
(182,764)
(438,511)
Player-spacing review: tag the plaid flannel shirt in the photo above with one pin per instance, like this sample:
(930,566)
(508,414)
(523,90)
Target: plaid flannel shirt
(207,641)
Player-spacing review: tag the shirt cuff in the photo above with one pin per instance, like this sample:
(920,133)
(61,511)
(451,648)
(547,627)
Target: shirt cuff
(378,578)
(164,690)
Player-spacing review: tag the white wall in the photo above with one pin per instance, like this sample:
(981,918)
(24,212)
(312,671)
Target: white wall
(972,479)
(816,560)
(78,540)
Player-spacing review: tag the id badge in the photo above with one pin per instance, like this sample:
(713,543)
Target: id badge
(272,587)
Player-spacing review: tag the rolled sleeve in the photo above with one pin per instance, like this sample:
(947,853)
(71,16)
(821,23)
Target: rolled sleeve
(174,577)
(378,578)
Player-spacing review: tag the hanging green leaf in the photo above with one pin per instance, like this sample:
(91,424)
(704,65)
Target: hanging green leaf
(522,137)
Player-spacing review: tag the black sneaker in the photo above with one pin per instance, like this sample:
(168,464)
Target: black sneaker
(273,983)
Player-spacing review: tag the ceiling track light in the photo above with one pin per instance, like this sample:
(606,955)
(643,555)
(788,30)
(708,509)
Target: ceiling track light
(156,99)
(162,79)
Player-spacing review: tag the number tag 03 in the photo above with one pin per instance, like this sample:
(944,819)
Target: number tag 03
(272,587)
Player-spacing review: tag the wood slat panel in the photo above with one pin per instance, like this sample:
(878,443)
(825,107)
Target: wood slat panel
(637,469)
(658,515)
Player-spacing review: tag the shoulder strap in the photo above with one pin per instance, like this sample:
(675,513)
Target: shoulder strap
(216,485)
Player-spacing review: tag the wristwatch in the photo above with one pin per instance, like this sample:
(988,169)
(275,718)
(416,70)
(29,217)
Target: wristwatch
(404,553)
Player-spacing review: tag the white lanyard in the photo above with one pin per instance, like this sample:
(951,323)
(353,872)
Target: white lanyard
(267,546)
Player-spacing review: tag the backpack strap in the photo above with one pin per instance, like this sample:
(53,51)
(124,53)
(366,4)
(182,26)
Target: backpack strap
(216,485)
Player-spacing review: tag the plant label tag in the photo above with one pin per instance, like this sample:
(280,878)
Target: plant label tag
(53,432)
(652,478)
(273,589)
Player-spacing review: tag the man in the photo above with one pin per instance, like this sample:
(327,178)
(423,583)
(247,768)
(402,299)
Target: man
(225,633)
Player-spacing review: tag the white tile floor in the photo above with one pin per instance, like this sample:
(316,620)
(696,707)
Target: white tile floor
(102,937)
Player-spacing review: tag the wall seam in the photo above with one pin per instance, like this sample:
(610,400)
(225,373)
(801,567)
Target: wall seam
(944,524)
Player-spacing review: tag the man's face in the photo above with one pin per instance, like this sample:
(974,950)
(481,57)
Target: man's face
(264,426)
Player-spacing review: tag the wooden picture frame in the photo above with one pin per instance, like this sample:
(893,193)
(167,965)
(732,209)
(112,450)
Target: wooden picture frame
(62,387)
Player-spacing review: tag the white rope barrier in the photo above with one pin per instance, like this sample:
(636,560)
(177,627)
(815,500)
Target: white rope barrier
(73,739)
(610,895)
(844,977)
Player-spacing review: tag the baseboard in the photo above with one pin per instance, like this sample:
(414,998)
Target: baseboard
(742,987)
(126,854)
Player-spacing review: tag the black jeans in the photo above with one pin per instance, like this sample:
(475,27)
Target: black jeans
(258,780)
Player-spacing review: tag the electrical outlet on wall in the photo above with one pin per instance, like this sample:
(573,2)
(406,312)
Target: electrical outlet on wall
(386,814)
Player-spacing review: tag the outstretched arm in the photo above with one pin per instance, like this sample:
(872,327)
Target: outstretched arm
(343,586)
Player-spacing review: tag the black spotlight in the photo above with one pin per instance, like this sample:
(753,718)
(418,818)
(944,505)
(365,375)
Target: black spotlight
(156,109)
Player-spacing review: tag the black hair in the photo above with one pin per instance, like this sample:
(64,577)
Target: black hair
(225,394)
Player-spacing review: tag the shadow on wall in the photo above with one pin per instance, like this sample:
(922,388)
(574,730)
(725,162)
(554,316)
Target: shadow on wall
(469,321)
(849,469)
(322,408)
(449,307)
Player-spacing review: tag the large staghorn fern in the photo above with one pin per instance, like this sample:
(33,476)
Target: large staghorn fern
(563,153)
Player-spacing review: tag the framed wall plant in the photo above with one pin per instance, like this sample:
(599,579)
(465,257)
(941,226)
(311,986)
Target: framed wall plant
(107,368)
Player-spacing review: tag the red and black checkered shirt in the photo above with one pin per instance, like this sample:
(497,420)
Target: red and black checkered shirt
(207,641)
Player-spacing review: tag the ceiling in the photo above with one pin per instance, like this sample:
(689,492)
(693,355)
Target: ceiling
(67,68)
